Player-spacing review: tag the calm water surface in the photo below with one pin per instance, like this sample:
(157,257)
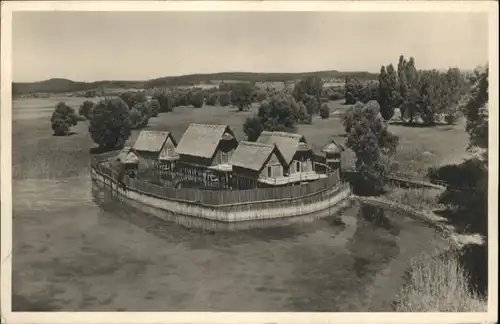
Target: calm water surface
(72,253)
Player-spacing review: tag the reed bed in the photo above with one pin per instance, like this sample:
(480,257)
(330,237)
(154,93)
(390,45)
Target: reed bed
(438,284)
(417,198)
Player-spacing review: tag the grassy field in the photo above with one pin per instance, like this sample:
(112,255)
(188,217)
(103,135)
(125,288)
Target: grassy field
(419,148)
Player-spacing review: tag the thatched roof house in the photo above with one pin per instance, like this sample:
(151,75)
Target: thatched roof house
(155,146)
(127,156)
(152,141)
(255,156)
(207,144)
(288,143)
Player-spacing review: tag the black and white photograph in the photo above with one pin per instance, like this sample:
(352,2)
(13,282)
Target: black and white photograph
(248,160)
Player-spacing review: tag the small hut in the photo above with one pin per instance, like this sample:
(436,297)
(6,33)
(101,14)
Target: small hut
(129,161)
(332,153)
(154,147)
(256,163)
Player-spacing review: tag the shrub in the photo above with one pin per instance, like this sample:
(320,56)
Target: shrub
(110,125)
(197,99)
(62,119)
(324,111)
(86,109)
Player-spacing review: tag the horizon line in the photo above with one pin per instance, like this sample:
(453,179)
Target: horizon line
(209,73)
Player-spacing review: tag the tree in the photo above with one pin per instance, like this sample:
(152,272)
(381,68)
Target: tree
(131,98)
(409,90)
(252,128)
(197,99)
(181,98)
(371,141)
(304,116)
(402,83)
(137,119)
(278,113)
(349,98)
(224,98)
(259,95)
(476,111)
(86,109)
(309,92)
(110,124)
(140,114)
(241,96)
(155,107)
(211,100)
(467,182)
(165,101)
(62,119)
(353,89)
(324,111)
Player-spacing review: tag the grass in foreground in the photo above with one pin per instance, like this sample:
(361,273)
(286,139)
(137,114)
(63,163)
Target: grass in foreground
(438,284)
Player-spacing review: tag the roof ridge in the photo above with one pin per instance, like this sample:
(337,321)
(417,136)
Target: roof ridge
(257,144)
(203,124)
(154,131)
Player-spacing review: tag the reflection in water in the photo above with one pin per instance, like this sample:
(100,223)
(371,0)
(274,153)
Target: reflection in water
(75,254)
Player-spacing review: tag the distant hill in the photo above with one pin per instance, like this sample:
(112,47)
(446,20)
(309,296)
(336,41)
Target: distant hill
(65,85)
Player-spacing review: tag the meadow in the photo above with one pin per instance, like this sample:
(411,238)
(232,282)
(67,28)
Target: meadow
(37,153)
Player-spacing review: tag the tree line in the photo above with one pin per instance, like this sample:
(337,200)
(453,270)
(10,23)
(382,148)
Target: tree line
(424,96)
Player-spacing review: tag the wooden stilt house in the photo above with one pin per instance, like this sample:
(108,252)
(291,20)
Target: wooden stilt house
(255,164)
(204,154)
(153,148)
(297,153)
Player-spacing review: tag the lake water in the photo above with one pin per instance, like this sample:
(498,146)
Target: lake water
(72,252)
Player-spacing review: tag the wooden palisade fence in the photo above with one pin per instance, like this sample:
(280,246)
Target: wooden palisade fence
(228,205)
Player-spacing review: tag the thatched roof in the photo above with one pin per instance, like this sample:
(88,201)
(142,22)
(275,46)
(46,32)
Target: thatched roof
(253,156)
(151,141)
(127,156)
(123,153)
(202,139)
(287,143)
(332,148)
(131,158)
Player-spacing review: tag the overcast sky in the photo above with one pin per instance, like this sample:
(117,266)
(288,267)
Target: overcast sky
(90,46)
